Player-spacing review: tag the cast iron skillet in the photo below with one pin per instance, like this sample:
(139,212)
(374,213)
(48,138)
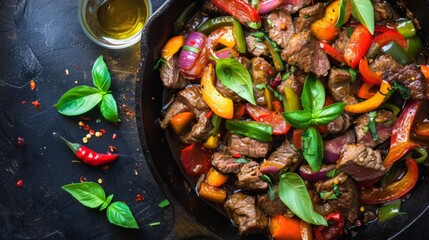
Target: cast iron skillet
(160,148)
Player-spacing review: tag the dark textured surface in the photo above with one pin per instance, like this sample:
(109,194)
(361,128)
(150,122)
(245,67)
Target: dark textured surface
(39,40)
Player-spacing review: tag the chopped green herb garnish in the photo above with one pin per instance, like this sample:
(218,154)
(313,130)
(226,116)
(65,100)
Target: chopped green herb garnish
(242,160)
(164,203)
(154,224)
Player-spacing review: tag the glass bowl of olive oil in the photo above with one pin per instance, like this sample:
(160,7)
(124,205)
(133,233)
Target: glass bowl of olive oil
(114,24)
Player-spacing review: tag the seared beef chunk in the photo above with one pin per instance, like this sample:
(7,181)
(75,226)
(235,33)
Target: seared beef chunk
(261,73)
(360,162)
(256,47)
(170,76)
(225,164)
(305,53)
(292,6)
(340,124)
(411,77)
(384,63)
(383,12)
(308,15)
(383,126)
(211,9)
(175,108)
(339,86)
(348,203)
(279,26)
(248,178)
(190,99)
(342,41)
(245,214)
(335,145)
(272,207)
(295,81)
(247,146)
(285,155)
(226,92)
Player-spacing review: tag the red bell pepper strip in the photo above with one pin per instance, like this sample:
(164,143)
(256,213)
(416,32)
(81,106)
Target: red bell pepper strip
(359,43)
(368,75)
(383,29)
(332,52)
(400,142)
(394,190)
(366,90)
(196,159)
(334,230)
(391,35)
(241,10)
(261,114)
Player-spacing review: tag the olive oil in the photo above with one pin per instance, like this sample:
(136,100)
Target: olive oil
(121,19)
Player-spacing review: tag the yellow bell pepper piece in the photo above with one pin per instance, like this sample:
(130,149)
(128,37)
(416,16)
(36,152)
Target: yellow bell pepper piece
(172,46)
(371,103)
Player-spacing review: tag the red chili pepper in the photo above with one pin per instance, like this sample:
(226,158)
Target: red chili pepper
(196,159)
(297,138)
(400,142)
(261,114)
(89,156)
(391,35)
(359,43)
(367,90)
(368,75)
(335,228)
(241,10)
(394,190)
(331,51)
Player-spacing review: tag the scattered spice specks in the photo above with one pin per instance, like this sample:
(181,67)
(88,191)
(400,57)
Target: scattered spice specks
(139,197)
(164,203)
(23,102)
(136,172)
(36,104)
(20,142)
(67,71)
(100,181)
(20,183)
(32,85)
(154,224)
(112,149)
(114,136)
(82,179)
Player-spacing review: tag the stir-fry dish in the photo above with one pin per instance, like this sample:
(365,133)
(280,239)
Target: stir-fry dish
(300,119)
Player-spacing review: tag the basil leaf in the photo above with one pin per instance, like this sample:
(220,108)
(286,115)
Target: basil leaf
(107,202)
(293,192)
(312,148)
(300,119)
(363,11)
(235,76)
(344,7)
(90,194)
(100,75)
(78,100)
(120,214)
(328,114)
(313,93)
(108,108)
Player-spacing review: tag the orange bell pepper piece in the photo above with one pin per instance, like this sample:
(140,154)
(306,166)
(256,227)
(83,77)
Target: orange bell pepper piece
(212,194)
(297,138)
(324,28)
(422,129)
(215,178)
(180,121)
(286,228)
(394,190)
(371,103)
(172,46)
(368,75)
(366,90)
(220,105)
(227,39)
(400,142)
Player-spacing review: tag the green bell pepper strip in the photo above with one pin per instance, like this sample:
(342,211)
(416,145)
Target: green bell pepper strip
(420,155)
(389,210)
(414,46)
(406,28)
(397,52)
(392,107)
(255,130)
(212,24)
(277,60)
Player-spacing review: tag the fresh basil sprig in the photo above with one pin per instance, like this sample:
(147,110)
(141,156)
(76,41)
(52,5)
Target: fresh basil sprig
(92,195)
(293,193)
(235,76)
(363,11)
(344,8)
(313,99)
(81,99)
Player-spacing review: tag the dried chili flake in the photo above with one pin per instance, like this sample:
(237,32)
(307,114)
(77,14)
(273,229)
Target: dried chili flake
(81,124)
(103,131)
(32,85)
(139,197)
(20,183)
(23,102)
(91,131)
(105,167)
(86,127)
(20,142)
(114,136)
(82,179)
(236,155)
(36,104)
(112,149)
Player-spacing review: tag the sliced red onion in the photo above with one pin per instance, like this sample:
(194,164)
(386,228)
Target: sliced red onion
(308,174)
(193,45)
(268,5)
(331,157)
(333,147)
(270,167)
